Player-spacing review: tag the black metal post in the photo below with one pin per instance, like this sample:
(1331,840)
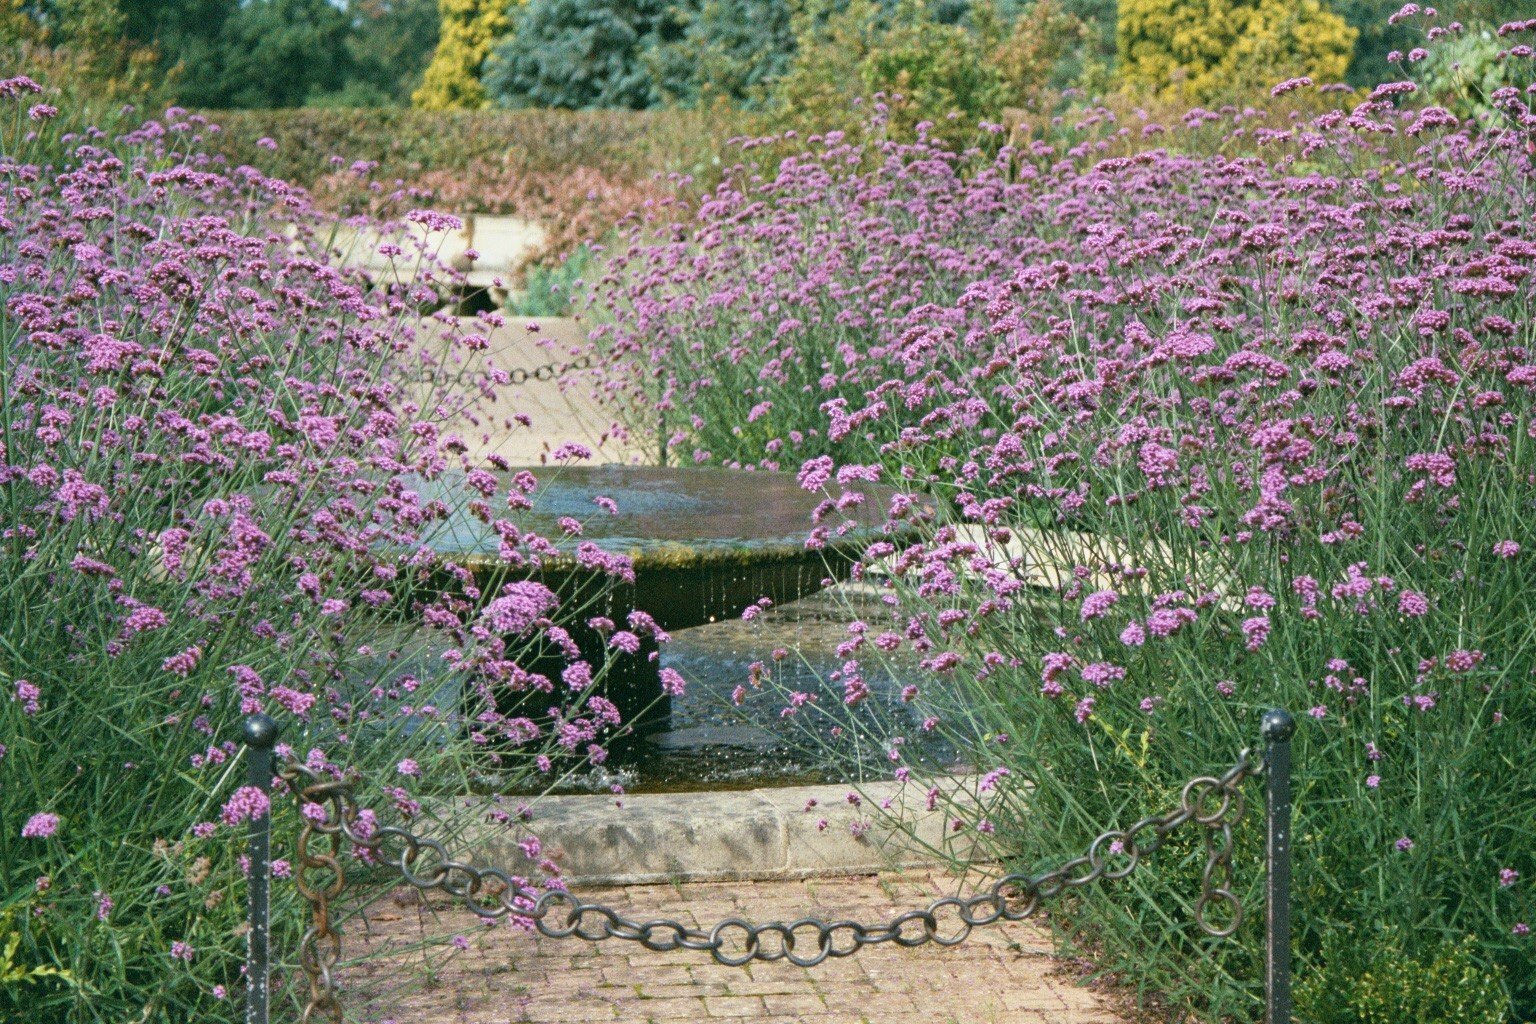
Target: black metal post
(260,734)
(1277,729)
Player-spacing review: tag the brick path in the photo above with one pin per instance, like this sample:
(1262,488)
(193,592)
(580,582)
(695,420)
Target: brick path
(1001,975)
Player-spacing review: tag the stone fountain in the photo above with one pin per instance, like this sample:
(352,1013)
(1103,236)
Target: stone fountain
(706,544)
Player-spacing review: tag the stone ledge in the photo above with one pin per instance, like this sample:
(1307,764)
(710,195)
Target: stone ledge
(760,834)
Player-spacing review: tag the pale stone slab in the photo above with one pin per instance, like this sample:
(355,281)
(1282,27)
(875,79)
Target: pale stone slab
(774,833)
(490,250)
(560,410)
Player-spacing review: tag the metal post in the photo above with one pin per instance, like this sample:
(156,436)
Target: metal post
(260,734)
(1277,728)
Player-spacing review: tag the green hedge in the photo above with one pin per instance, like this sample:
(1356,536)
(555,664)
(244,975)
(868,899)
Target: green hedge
(405,143)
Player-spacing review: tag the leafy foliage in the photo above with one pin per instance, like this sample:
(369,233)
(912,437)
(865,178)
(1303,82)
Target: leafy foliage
(1046,49)
(81,44)
(1464,71)
(583,54)
(807,63)
(273,53)
(730,50)
(16,975)
(213,471)
(1381,34)
(1205,429)
(932,65)
(389,47)
(1377,38)
(1200,52)
(265,53)
(925,68)
(550,288)
(1371,978)
(953,66)
(467,31)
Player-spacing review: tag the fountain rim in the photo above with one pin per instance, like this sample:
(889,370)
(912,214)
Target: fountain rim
(677,556)
(705,553)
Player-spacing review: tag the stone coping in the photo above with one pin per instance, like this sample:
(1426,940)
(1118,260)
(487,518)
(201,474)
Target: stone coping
(766,834)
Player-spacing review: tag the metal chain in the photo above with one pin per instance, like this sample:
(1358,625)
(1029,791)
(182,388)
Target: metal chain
(549,371)
(1214,803)
(522,375)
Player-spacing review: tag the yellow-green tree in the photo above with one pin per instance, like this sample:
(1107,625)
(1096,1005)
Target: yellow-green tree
(1202,50)
(469,28)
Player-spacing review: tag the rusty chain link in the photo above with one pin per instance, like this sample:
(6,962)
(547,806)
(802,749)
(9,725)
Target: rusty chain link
(330,812)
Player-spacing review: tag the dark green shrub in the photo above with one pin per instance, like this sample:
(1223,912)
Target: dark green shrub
(1463,73)
(1369,979)
(1046,49)
(935,67)
(391,43)
(269,53)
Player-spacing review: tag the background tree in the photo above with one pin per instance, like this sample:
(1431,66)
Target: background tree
(730,49)
(467,29)
(1099,18)
(267,53)
(849,50)
(1188,51)
(390,45)
(1046,49)
(169,24)
(80,45)
(1368,66)
(582,54)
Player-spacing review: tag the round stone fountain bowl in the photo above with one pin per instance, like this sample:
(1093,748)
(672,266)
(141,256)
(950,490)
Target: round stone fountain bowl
(706,544)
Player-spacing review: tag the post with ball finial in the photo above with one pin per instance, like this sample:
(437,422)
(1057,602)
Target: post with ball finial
(260,734)
(1277,728)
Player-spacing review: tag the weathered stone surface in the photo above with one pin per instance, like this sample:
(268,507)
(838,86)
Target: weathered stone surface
(710,737)
(490,251)
(790,832)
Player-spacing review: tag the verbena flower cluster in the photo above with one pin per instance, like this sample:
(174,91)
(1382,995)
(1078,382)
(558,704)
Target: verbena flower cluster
(1204,432)
(212,442)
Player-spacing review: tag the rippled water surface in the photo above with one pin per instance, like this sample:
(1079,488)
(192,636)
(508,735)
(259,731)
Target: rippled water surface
(716,744)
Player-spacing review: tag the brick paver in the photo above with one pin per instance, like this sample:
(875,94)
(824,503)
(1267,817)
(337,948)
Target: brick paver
(1001,975)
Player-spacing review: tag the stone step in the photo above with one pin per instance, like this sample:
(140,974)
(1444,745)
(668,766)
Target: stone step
(761,834)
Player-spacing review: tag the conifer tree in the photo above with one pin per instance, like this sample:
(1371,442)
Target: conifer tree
(468,30)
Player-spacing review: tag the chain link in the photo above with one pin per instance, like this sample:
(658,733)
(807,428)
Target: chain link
(550,371)
(522,375)
(1213,803)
